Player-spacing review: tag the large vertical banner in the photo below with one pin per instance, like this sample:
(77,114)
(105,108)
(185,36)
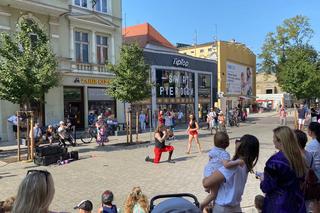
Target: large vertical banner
(239,79)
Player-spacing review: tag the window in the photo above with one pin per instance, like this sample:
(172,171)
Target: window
(269,91)
(82,47)
(202,50)
(210,50)
(101,6)
(102,49)
(192,51)
(81,3)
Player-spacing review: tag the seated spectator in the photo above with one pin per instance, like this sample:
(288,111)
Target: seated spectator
(136,202)
(258,202)
(6,206)
(84,206)
(49,134)
(35,193)
(106,200)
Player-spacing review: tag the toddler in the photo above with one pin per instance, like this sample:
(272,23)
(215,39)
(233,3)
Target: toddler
(218,157)
(106,200)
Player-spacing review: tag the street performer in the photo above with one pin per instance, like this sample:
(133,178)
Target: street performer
(160,137)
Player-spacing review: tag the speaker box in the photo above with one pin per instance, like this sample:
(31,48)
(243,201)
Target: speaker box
(47,160)
(50,150)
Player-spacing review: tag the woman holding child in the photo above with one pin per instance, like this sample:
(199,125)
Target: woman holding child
(231,181)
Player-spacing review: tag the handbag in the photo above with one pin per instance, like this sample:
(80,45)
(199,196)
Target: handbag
(310,186)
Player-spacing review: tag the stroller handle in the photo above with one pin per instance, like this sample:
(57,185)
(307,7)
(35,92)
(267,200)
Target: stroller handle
(196,202)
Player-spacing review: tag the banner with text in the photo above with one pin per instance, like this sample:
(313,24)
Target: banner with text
(239,79)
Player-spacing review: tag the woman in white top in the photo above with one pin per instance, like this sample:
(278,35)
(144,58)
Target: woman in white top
(232,181)
(314,147)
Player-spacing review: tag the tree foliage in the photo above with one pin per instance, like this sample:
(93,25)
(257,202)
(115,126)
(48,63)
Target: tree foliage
(27,65)
(294,31)
(299,74)
(131,76)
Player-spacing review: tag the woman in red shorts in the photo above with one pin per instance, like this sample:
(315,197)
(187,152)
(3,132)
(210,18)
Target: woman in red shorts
(193,133)
(160,137)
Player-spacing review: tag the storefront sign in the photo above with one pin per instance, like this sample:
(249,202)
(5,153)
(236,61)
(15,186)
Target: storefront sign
(92,81)
(180,62)
(175,83)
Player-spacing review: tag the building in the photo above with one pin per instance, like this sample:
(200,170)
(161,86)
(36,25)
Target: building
(269,93)
(84,35)
(236,70)
(183,83)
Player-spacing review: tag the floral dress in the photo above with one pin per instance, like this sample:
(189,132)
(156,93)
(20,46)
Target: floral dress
(101,132)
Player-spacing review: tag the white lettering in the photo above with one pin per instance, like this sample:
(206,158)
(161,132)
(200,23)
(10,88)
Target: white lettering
(180,62)
(161,90)
(171,91)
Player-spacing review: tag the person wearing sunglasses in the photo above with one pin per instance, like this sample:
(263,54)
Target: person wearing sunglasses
(35,193)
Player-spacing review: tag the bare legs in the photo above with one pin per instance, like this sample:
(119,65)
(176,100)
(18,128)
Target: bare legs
(190,142)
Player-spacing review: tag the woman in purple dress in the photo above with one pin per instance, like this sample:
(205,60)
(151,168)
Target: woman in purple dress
(283,174)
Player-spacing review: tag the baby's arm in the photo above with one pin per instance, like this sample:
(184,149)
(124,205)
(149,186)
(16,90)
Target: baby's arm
(229,164)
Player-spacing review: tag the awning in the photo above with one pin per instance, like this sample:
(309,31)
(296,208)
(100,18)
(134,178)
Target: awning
(244,97)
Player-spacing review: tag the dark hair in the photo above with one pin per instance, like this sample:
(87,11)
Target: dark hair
(107,197)
(221,140)
(258,202)
(315,128)
(248,150)
(302,138)
(193,118)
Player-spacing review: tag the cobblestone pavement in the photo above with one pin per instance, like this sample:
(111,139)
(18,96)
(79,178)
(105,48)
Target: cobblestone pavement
(119,168)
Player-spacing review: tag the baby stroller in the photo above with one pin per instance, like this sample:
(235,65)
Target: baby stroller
(176,203)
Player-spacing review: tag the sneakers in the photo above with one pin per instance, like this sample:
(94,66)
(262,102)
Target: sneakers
(147,159)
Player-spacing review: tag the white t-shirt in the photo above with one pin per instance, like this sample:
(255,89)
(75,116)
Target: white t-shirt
(230,192)
(216,155)
(314,147)
(180,115)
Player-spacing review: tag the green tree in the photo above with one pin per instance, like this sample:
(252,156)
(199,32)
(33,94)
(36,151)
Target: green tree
(294,31)
(131,82)
(299,74)
(28,67)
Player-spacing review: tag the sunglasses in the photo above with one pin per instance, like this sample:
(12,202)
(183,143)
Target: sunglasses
(46,173)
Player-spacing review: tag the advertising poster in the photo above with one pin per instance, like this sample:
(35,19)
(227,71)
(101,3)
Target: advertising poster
(239,79)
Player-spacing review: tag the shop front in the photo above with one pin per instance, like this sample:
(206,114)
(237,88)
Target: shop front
(182,83)
(84,95)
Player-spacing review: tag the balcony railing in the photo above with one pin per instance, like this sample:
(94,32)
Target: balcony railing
(94,68)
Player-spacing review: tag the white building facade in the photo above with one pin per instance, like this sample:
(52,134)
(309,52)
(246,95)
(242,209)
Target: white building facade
(84,35)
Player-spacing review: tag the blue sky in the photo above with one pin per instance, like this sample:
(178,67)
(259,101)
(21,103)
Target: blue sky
(246,21)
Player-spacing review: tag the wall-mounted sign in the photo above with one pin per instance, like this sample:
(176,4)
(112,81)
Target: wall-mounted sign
(175,84)
(180,62)
(92,81)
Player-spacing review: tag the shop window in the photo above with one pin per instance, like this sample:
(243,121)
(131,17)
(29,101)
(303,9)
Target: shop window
(269,91)
(101,6)
(81,3)
(82,47)
(102,49)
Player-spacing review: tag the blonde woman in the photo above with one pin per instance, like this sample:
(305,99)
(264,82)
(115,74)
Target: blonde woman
(136,202)
(283,174)
(35,193)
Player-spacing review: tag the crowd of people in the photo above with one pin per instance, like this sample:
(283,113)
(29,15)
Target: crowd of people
(286,181)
